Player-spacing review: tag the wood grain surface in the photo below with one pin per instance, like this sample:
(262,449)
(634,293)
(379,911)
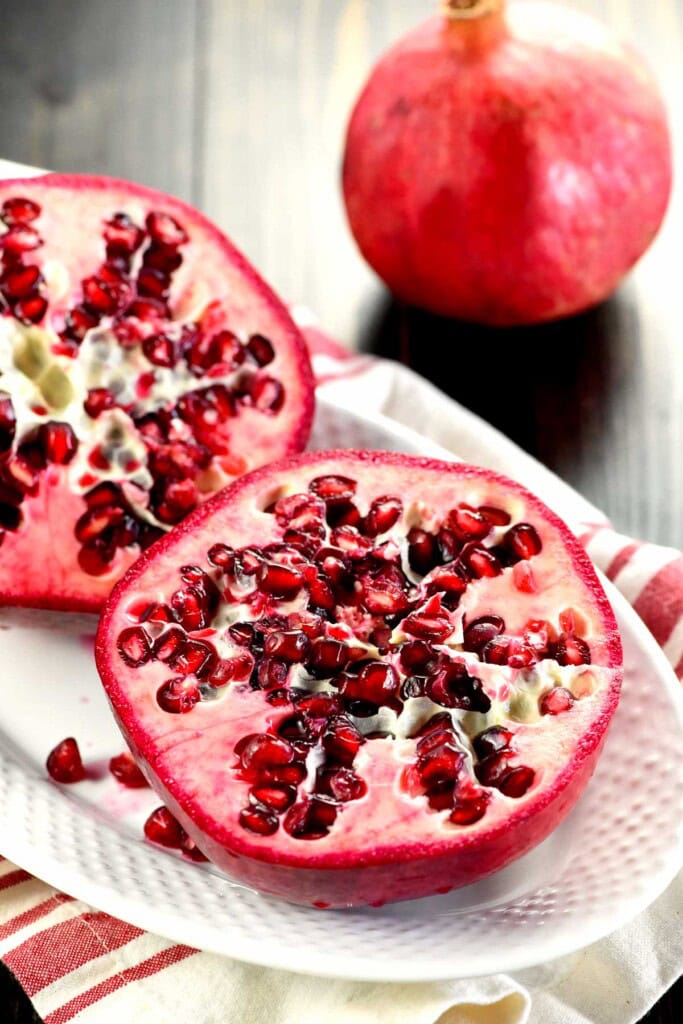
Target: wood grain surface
(240,106)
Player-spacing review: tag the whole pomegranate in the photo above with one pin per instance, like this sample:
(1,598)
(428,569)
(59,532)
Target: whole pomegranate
(143,365)
(506,164)
(356,677)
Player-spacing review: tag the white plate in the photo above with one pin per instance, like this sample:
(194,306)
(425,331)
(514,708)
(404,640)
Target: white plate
(615,853)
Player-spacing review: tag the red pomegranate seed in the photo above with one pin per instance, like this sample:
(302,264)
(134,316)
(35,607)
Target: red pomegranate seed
(19,239)
(427,627)
(222,556)
(342,739)
(124,768)
(8,421)
(98,400)
(333,488)
(448,580)
(469,809)
(376,682)
(491,770)
(160,350)
(259,820)
(267,394)
(19,210)
(272,673)
(381,597)
(190,607)
(572,650)
(497,651)
(265,751)
(283,774)
(148,309)
(343,513)
(440,765)
(523,578)
(290,645)
(94,562)
(18,282)
(238,668)
(58,442)
(162,257)
(482,562)
(349,540)
(383,513)
(154,283)
(278,798)
(135,646)
(328,656)
(480,631)
(319,705)
(179,695)
(31,309)
(556,701)
(226,349)
(279,580)
(517,782)
(416,656)
(99,297)
(64,762)
(468,524)
(165,229)
(162,828)
(423,551)
(170,644)
(179,498)
(310,819)
(260,349)
(341,783)
(122,234)
(95,521)
(496,516)
(195,657)
(523,541)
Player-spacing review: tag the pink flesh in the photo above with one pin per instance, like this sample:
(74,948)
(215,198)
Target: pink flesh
(412,851)
(73,209)
(508,169)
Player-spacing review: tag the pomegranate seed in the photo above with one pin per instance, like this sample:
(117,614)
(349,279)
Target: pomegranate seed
(328,656)
(122,234)
(416,656)
(64,762)
(18,282)
(195,657)
(342,740)
(165,229)
(523,541)
(8,421)
(517,782)
(492,741)
(480,631)
(222,556)
(279,580)
(265,751)
(451,581)
(441,764)
(555,701)
(58,442)
(160,350)
(159,613)
(148,309)
(242,633)
(423,551)
(310,819)
(170,644)
(481,562)
(106,493)
(135,646)
(94,522)
(350,541)
(162,257)
(383,598)
(162,828)
(427,627)
(20,239)
(237,668)
(290,646)
(376,682)
(154,283)
(179,498)
(469,809)
(260,349)
(179,695)
(383,513)
(267,394)
(99,297)
(278,798)
(523,578)
(271,673)
(190,850)
(260,820)
(333,488)
(572,621)
(190,607)
(226,349)
(294,729)
(78,322)
(492,769)
(341,783)
(283,774)
(124,768)
(468,524)
(98,401)
(572,650)
(94,562)
(496,516)
(31,309)
(452,687)
(19,210)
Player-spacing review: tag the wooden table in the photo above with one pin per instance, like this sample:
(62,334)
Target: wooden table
(240,107)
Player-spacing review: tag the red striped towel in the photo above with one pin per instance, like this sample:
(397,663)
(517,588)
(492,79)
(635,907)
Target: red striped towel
(79,964)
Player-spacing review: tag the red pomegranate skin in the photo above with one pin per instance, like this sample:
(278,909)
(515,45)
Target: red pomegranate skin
(507,169)
(385,846)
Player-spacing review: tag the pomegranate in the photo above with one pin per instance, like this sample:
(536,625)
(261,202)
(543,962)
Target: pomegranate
(345,715)
(143,365)
(64,763)
(506,163)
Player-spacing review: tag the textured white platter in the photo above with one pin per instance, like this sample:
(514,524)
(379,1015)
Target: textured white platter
(615,853)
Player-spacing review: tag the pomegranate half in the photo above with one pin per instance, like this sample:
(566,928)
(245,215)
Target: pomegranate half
(506,163)
(143,365)
(357,677)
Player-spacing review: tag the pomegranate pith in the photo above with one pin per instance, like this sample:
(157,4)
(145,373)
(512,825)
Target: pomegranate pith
(435,738)
(143,365)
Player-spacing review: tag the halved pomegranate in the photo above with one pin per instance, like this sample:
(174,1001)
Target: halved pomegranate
(352,714)
(143,365)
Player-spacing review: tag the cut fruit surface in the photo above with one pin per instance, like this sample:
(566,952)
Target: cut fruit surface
(143,366)
(340,682)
